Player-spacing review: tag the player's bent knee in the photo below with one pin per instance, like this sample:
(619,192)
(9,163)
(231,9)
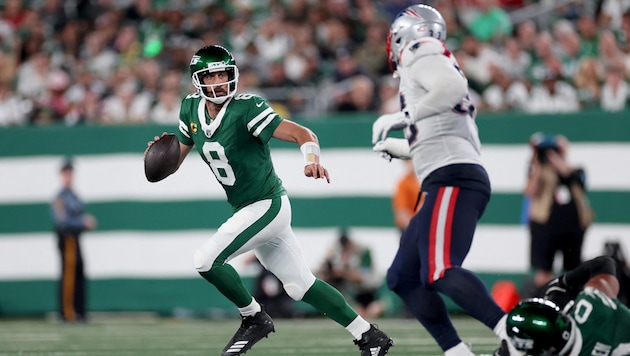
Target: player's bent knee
(200,261)
(294,291)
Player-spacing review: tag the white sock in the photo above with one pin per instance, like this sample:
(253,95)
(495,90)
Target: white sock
(357,327)
(459,350)
(251,309)
(499,329)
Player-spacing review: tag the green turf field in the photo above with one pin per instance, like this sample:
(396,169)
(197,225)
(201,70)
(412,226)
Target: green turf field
(157,336)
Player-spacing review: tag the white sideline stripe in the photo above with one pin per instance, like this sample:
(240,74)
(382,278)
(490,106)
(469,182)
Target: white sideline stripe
(353,172)
(133,254)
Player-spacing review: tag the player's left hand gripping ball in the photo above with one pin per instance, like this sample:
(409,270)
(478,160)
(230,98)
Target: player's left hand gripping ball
(161,158)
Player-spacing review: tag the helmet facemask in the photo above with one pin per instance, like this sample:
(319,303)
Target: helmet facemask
(212,59)
(209,91)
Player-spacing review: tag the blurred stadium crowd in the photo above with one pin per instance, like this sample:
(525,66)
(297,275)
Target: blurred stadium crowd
(126,61)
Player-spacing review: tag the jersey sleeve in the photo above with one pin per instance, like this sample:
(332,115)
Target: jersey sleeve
(446,86)
(262,119)
(185,113)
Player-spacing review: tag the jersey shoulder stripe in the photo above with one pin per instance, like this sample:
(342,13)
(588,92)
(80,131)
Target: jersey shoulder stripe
(183,128)
(260,116)
(266,116)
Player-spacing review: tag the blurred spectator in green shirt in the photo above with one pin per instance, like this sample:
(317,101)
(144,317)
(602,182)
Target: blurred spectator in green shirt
(491,22)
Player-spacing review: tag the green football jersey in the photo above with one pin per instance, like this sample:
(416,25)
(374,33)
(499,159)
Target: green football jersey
(604,323)
(235,145)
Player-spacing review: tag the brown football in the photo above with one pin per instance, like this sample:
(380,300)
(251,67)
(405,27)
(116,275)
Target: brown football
(162,158)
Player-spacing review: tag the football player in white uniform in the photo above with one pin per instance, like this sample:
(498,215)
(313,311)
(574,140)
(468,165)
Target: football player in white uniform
(442,141)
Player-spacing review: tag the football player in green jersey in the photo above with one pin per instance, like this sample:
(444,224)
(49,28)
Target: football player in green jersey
(578,315)
(231,132)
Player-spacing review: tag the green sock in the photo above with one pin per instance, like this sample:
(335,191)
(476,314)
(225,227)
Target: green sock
(229,283)
(326,299)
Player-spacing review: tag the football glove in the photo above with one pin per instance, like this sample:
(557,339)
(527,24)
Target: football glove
(559,292)
(392,148)
(386,123)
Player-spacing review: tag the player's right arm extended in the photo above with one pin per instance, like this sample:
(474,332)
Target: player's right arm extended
(309,145)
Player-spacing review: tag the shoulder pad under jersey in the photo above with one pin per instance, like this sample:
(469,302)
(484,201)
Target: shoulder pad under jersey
(426,46)
(250,99)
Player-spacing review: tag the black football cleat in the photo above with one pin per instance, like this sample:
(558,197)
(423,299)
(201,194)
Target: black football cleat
(253,329)
(374,342)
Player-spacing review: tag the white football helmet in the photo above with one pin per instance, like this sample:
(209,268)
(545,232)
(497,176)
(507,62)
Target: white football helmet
(416,21)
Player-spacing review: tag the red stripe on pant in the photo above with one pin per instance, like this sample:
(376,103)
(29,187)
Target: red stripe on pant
(440,233)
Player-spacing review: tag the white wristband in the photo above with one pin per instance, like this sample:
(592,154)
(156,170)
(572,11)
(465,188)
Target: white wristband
(310,150)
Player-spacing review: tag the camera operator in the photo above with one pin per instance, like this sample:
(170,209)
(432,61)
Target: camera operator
(559,211)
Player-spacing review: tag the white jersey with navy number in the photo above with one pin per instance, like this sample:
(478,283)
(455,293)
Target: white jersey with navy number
(434,95)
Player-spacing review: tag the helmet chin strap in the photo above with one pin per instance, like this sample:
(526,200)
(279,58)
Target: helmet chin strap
(219,100)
